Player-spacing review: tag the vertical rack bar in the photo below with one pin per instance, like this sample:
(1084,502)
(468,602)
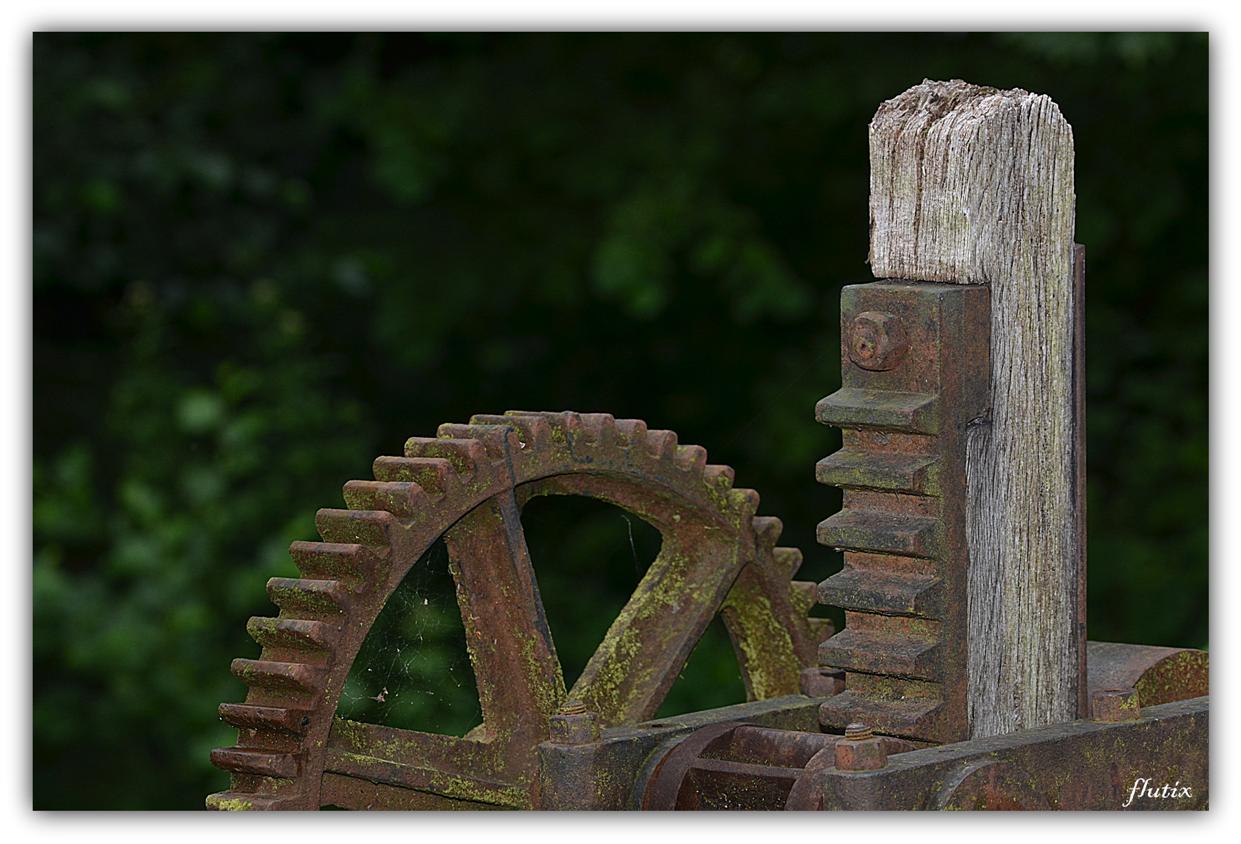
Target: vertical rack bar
(915,374)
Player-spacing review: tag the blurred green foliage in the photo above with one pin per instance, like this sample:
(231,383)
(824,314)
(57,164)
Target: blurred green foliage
(260,260)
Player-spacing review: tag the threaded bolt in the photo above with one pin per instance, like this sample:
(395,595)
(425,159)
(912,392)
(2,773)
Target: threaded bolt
(572,706)
(858,732)
(860,750)
(573,723)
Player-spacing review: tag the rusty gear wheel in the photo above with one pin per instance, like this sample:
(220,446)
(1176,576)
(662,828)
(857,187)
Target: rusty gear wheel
(468,485)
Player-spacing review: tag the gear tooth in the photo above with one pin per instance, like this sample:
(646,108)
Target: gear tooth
(243,801)
(497,440)
(532,429)
(291,633)
(596,427)
(400,498)
(259,763)
(465,455)
(788,560)
(433,474)
(803,595)
(719,477)
(297,595)
(767,530)
(360,527)
(745,500)
(632,430)
(545,429)
(690,458)
(334,560)
(661,444)
(282,719)
(276,676)
(561,425)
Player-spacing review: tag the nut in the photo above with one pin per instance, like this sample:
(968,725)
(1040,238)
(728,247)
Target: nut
(573,724)
(1114,705)
(860,750)
(822,682)
(878,341)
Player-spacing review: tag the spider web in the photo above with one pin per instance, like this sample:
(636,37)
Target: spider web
(413,671)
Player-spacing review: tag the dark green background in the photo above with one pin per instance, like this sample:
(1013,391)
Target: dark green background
(261,260)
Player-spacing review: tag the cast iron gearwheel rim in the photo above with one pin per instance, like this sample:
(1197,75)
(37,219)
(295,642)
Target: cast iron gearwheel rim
(468,485)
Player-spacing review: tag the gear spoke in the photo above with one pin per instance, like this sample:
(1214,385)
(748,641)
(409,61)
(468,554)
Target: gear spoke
(519,679)
(647,646)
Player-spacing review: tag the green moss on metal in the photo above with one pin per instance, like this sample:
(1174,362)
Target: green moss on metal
(768,657)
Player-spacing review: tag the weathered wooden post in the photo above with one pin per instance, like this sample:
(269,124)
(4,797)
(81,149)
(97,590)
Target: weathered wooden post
(970,187)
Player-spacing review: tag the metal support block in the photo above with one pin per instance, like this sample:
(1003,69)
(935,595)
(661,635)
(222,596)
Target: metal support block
(1158,761)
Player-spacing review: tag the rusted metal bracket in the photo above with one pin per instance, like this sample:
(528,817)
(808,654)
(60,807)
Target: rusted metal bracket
(914,370)
(1156,760)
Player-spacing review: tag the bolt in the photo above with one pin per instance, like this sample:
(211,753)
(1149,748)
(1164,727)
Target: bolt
(860,750)
(572,706)
(858,732)
(878,341)
(822,682)
(1114,705)
(573,723)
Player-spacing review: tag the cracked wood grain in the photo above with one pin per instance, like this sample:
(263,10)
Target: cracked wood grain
(973,185)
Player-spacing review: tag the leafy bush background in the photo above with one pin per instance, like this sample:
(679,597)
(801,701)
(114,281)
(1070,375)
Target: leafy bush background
(261,260)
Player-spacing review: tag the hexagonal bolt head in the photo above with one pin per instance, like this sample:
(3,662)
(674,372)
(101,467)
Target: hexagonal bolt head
(877,341)
(822,682)
(865,753)
(574,724)
(1114,705)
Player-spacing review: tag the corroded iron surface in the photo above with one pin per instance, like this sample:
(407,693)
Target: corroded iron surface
(1158,761)
(1159,675)
(468,485)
